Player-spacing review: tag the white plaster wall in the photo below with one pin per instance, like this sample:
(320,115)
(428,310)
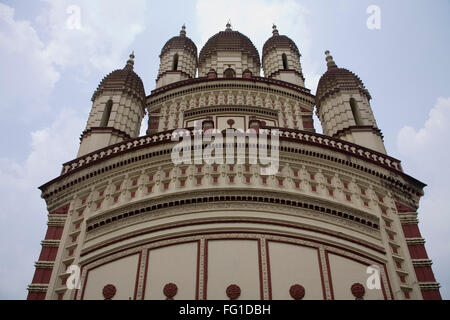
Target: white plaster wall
(233,262)
(291,264)
(346,272)
(120,273)
(174,264)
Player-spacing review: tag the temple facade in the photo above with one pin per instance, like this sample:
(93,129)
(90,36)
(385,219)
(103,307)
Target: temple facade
(337,219)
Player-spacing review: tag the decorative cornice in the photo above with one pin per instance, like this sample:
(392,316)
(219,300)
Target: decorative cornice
(50,243)
(56,220)
(44,264)
(408,218)
(290,135)
(231,81)
(352,129)
(234,108)
(173,72)
(234,200)
(414,241)
(38,287)
(278,72)
(422,262)
(111,130)
(429,285)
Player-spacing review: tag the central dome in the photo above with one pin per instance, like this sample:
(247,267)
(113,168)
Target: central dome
(229,40)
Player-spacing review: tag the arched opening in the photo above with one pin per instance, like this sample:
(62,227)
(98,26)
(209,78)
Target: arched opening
(229,73)
(106,114)
(175,62)
(355,112)
(285,62)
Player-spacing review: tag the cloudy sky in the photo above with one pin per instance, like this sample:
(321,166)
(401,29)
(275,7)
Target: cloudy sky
(51,63)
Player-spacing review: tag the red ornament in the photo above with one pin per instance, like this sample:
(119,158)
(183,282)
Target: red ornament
(297,292)
(358,291)
(233,291)
(170,290)
(230,122)
(109,291)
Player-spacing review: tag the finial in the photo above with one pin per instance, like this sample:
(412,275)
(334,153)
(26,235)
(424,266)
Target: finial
(329,60)
(130,62)
(275,30)
(228,26)
(183,30)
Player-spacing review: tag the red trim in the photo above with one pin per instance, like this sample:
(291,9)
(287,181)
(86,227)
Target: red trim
(42,275)
(401,208)
(431,295)
(231,116)
(322,277)
(329,274)
(261,289)
(269,280)
(424,274)
(389,282)
(48,253)
(36,295)
(77,290)
(84,285)
(417,251)
(411,231)
(205,270)
(137,275)
(145,275)
(61,210)
(54,233)
(198,270)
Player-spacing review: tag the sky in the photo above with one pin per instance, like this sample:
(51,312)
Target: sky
(51,63)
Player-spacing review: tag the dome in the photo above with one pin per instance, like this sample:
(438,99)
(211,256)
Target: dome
(336,79)
(122,79)
(279,41)
(180,42)
(229,40)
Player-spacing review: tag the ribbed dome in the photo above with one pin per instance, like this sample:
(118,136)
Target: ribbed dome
(122,79)
(180,42)
(336,79)
(229,40)
(279,41)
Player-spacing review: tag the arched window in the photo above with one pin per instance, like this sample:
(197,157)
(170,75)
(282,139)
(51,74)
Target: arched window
(175,62)
(285,62)
(229,73)
(355,112)
(106,114)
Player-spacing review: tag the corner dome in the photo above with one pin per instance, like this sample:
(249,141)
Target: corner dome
(122,79)
(229,40)
(180,42)
(279,41)
(336,79)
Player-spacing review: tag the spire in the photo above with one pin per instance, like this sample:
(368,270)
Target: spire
(228,26)
(183,31)
(130,62)
(329,60)
(275,30)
